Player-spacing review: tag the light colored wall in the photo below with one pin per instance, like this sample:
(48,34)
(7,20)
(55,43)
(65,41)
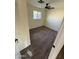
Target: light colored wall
(35,23)
(54,18)
(21,27)
(59,42)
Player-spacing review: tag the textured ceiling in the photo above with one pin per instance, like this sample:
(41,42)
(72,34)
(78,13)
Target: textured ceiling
(53,3)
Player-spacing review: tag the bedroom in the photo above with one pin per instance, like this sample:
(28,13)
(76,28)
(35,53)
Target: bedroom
(43,24)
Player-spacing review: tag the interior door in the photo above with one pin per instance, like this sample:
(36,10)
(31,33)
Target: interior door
(59,42)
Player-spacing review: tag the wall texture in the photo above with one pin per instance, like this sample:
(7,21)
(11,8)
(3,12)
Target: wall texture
(21,27)
(54,18)
(35,23)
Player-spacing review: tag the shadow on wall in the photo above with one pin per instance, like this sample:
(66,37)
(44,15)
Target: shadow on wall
(54,18)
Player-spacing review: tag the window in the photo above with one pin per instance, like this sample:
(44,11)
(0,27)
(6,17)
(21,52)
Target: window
(37,15)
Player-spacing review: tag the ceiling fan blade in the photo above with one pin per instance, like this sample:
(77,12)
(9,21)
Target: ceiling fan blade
(48,6)
(52,7)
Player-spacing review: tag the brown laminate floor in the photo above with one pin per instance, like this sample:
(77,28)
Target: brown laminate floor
(42,39)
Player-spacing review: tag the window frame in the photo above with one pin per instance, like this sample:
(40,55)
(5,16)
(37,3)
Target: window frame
(37,16)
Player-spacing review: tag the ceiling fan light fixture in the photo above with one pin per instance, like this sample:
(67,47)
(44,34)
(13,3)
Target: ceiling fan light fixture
(41,1)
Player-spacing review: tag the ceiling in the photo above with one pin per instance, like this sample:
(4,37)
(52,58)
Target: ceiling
(53,3)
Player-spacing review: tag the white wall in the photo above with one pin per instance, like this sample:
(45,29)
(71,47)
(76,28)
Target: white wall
(59,42)
(54,18)
(35,23)
(22,28)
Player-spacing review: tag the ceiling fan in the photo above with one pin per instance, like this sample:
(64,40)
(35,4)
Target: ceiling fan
(40,1)
(48,6)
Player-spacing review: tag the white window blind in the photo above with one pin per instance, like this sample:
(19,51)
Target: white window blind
(37,15)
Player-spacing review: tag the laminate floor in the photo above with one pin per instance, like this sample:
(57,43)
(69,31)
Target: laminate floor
(42,39)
